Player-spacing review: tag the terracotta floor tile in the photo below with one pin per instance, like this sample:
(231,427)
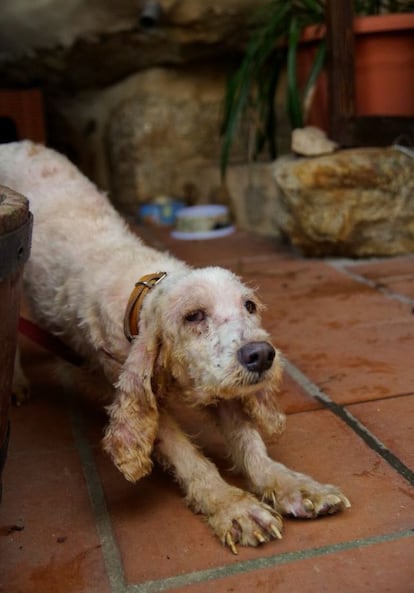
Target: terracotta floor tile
(378,568)
(395,274)
(297,276)
(376,269)
(210,252)
(352,341)
(45,492)
(392,421)
(41,424)
(358,365)
(159,537)
(57,550)
(402,286)
(293,398)
(321,445)
(349,338)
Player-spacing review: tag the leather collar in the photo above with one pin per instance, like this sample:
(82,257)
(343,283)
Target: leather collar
(141,288)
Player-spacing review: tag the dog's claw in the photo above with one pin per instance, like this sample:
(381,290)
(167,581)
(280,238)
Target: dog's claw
(259,537)
(334,500)
(269,498)
(308,504)
(230,543)
(275,531)
(335,503)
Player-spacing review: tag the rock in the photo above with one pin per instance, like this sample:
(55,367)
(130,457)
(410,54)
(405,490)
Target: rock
(156,133)
(156,138)
(356,203)
(311,141)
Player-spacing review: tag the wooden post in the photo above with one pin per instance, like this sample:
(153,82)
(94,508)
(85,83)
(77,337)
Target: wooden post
(15,237)
(341,66)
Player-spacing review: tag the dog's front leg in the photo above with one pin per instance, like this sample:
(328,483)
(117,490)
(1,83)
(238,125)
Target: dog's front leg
(235,515)
(289,492)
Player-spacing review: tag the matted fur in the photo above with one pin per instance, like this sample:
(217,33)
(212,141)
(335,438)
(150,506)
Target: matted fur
(83,266)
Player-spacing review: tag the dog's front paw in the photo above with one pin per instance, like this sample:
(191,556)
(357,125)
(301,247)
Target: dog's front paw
(307,499)
(242,519)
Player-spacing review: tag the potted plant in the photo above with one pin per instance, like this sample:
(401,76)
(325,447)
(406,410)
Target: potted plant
(291,36)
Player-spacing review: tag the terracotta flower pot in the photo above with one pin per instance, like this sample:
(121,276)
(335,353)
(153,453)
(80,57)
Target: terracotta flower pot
(384,67)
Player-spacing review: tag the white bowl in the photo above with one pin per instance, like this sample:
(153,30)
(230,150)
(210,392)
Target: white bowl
(203,222)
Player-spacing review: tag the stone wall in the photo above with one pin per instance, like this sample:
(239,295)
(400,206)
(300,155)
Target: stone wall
(152,134)
(157,134)
(137,104)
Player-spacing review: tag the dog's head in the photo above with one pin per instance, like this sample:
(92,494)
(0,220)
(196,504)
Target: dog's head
(212,342)
(200,339)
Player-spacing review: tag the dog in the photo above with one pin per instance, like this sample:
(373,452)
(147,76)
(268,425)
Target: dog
(163,334)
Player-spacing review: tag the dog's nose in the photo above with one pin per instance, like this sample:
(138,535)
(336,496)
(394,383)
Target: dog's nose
(256,357)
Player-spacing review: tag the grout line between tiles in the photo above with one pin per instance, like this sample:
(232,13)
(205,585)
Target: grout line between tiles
(345,415)
(340,267)
(157,586)
(378,399)
(109,547)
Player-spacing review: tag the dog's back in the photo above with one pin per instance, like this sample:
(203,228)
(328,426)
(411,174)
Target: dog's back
(81,249)
(32,170)
(57,191)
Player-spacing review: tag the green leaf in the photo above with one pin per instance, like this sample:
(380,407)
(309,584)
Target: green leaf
(246,80)
(317,66)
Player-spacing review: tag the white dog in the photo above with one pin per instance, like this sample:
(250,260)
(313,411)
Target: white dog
(162,333)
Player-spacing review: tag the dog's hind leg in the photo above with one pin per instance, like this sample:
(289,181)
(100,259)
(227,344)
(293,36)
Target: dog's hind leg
(21,385)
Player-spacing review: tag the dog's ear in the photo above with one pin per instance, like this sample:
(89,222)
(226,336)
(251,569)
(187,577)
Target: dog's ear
(263,409)
(133,416)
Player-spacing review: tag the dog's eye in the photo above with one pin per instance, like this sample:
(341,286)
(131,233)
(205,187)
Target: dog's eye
(250,306)
(195,316)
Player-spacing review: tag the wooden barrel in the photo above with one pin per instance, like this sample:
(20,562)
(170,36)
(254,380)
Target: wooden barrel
(15,238)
